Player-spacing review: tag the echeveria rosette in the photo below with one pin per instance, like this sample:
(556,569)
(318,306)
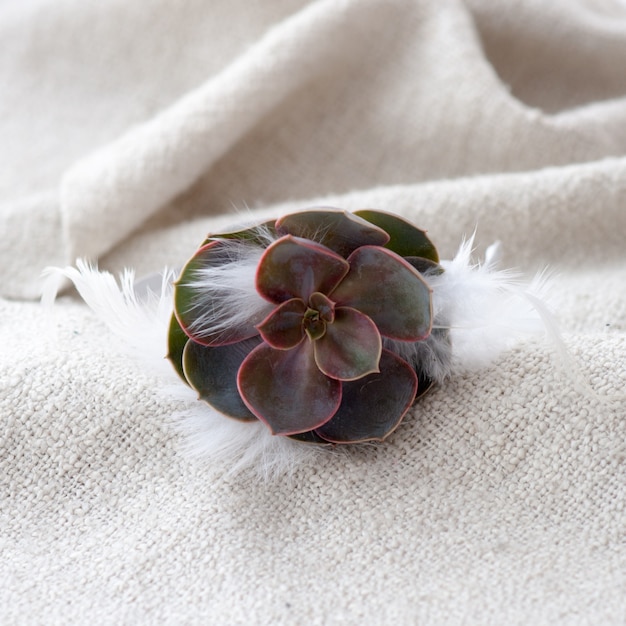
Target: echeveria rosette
(333,292)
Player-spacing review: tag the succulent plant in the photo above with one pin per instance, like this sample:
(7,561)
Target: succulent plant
(299,322)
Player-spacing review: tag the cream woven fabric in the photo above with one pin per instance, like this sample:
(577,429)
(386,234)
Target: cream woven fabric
(129,130)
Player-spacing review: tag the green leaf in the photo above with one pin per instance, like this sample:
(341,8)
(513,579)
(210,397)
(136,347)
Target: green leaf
(339,230)
(286,390)
(212,372)
(176,342)
(373,407)
(424,266)
(282,328)
(386,288)
(193,303)
(309,437)
(405,238)
(295,268)
(351,347)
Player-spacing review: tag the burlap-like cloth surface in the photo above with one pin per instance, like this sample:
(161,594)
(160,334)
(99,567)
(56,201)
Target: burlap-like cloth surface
(130,130)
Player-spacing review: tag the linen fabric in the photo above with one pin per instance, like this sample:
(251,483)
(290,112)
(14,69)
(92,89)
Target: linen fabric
(131,130)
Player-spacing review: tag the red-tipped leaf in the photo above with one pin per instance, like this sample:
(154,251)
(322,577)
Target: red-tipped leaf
(286,390)
(351,346)
(339,230)
(296,268)
(373,407)
(386,288)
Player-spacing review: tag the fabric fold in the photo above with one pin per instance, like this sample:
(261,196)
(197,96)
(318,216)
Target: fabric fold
(324,102)
(107,195)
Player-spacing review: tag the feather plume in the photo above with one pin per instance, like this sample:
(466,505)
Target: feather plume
(231,286)
(479,311)
(486,310)
(138,313)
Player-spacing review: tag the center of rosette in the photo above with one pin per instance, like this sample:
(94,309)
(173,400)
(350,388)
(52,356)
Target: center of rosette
(314,326)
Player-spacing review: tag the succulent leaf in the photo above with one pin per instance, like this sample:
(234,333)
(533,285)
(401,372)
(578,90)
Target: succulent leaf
(296,268)
(405,239)
(386,288)
(372,407)
(310,436)
(424,266)
(338,230)
(286,390)
(351,346)
(194,303)
(212,372)
(314,325)
(176,341)
(282,328)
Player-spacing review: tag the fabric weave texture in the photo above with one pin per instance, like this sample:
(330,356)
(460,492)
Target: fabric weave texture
(129,131)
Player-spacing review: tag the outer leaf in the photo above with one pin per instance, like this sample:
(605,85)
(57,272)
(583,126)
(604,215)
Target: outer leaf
(282,328)
(351,347)
(212,372)
(295,268)
(373,407)
(423,265)
(176,342)
(309,436)
(286,390)
(405,239)
(191,303)
(386,288)
(339,230)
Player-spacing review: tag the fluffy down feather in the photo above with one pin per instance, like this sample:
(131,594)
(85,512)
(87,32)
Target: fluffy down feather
(485,310)
(138,313)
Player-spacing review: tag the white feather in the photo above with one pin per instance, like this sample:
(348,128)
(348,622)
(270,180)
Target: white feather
(140,316)
(484,310)
(241,446)
(478,313)
(140,320)
(230,288)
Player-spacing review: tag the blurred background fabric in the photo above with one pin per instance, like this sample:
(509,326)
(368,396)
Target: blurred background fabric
(129,130)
